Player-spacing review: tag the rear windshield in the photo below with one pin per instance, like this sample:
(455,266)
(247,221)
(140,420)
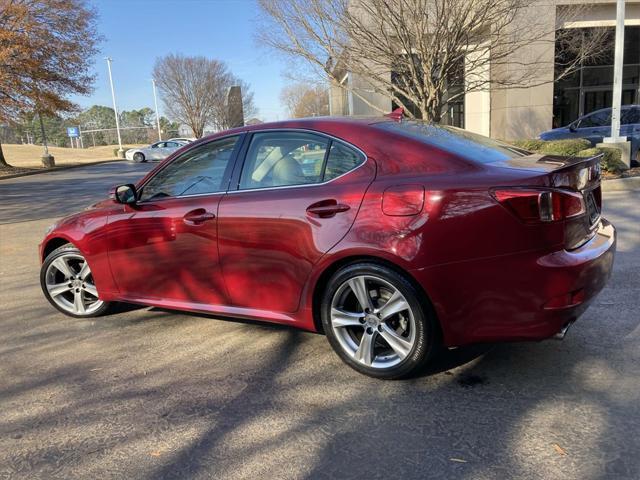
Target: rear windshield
(471,146)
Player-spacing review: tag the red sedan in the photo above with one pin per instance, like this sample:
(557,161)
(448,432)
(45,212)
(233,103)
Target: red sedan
(393,237)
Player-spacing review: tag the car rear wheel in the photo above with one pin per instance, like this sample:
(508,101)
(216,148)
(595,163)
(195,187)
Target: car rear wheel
(375,321)
(67,282)
(139,157)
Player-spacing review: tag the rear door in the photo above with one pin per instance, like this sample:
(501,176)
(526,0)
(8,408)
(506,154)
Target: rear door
(630,122)
(296,195)
(156,151)
(596,126)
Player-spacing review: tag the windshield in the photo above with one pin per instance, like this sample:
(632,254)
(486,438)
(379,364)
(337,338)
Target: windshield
(471,146)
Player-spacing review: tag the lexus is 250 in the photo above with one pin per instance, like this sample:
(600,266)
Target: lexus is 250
(393,237)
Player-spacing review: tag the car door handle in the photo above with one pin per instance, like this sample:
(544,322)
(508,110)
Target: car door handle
(197,216)
(326,208)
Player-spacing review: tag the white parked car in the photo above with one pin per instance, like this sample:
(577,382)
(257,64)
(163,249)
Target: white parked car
(155,151)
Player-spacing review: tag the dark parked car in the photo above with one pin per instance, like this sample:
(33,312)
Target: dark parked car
(403,237)
(597,125)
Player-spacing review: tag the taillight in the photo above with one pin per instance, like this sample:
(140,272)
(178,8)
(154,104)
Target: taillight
(534,206)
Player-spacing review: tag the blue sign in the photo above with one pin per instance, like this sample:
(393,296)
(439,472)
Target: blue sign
(73,131)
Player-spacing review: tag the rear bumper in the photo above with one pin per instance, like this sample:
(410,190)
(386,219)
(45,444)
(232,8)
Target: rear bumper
(525,296)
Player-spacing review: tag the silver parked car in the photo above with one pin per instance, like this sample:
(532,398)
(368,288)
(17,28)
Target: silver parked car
(155,151)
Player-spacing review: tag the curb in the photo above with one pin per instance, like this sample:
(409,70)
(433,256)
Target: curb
(57,169)
(629,184)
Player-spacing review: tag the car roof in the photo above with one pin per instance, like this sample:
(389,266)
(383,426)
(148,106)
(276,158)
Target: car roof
(623,107)
(329,125)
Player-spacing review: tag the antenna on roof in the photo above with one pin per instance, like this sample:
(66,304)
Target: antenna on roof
(397,114)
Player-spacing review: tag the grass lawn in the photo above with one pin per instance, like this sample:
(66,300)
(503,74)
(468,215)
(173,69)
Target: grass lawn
(28,156)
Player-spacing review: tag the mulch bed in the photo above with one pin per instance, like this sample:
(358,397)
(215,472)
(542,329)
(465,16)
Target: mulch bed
(632,172)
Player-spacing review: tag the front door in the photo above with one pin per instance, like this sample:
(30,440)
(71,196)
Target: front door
(165,246)
(595,126)
(297,195)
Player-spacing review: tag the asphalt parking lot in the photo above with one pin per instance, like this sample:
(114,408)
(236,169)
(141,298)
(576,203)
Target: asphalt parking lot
(148,393)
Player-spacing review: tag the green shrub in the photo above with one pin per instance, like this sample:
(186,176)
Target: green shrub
(533,145)
(588,152)
(566,148)
(611,160)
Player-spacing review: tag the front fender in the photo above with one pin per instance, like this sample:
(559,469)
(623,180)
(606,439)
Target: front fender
(87,231)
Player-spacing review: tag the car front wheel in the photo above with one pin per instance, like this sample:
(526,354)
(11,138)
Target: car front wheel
(377,322)
(138,157)
(67,282)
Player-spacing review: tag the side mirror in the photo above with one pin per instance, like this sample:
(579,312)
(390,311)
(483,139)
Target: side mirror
(573,127)
(126,194)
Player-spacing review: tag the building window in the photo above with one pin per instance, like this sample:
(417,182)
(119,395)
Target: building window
(591,86)
(452,111)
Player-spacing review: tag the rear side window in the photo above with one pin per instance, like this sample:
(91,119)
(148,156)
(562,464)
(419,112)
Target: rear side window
(630,116)
(278,159)
(288,158)
(341,159)
(471,146)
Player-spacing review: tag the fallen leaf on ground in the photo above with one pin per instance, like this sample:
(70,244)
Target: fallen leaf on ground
(157,453)
(559,449)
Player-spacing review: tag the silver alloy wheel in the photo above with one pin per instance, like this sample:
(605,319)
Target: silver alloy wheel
(373,321)
(70,285)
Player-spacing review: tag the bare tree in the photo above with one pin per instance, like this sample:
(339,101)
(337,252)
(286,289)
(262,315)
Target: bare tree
(194,90)
(423,53)
(46,49)
(305,100)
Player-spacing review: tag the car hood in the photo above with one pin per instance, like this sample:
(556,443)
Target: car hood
(555,131)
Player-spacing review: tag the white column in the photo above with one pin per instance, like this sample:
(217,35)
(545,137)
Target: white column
(617,76)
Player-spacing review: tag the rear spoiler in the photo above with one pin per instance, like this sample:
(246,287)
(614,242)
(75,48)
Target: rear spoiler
(577,172)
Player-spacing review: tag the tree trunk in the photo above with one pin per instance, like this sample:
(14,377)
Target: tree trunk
(3,162)
(432,111)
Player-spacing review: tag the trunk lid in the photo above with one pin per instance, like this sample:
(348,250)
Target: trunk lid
(574,174)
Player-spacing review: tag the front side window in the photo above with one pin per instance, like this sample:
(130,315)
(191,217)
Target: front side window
(598,119)
(277,159)
(198,171)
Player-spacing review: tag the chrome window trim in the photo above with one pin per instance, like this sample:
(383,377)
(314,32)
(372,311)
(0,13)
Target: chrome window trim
(238,190)
(303,185)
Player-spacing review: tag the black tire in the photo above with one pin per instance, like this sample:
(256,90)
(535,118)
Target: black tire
(138,157)
(66,250)
(426,340)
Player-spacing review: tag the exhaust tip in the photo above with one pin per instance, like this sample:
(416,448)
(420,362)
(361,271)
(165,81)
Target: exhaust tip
(563,331)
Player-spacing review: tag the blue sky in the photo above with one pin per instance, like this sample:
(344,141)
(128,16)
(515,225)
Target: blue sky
(138,31)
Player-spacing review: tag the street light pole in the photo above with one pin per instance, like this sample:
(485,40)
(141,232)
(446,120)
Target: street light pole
(115,108)
(155,101)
